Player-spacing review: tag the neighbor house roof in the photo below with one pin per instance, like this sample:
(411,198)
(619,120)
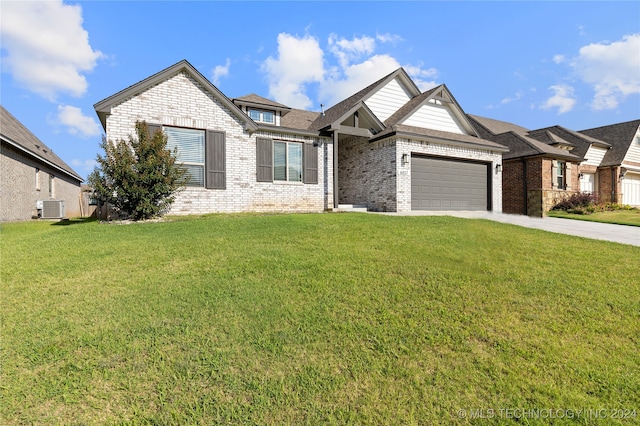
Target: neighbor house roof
(619,136)
(335,112)
(103,108)
(524,146)
(564,136)
(16,134)
(496,126)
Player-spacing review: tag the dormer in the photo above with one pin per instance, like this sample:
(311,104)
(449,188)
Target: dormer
(262,110)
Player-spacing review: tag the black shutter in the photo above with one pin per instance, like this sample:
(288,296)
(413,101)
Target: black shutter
(310,163)
(215,161)
(264,160)
(153,128)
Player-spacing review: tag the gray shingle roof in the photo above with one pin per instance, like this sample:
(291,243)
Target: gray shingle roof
(15,132)
(619,136)
(255,99)
(496,126)
(338,110)
(401,129)
(580,142)
(299,119)
(518,139)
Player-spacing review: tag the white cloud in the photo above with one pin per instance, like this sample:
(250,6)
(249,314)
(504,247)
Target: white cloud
(518,95)
(347,51)
(558,59)
(221,71)
(612,69)
(46,47)
(344,82)
(389,38)
(563,98)
(419,74)
(299,62)
(76,122)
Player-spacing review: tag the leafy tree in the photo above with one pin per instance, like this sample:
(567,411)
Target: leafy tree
(140,176)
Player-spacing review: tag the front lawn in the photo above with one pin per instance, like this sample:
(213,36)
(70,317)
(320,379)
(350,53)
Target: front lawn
(314,319)
(619,217)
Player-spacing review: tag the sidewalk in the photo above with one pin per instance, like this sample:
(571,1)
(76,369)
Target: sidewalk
(622,234)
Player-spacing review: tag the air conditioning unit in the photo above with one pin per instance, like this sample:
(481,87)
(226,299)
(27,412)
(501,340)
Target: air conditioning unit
(50,209)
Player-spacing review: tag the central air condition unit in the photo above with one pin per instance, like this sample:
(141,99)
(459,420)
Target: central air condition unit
(51,209)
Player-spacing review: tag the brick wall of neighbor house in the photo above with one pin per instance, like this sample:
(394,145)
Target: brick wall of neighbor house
(182,101)
(609,187)
(513,183)
(541,196)
(18,192)
(367,173)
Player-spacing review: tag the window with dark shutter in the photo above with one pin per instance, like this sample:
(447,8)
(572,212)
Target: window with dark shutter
(310,158)
(215,161)
(264,160)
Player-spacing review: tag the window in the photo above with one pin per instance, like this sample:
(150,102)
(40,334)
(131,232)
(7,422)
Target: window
(202,153)
(286,161)
(37,179)
(51,182)
(262,116)
(561,174)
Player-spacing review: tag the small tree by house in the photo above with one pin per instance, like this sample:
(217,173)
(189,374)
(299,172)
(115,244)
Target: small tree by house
(140,176)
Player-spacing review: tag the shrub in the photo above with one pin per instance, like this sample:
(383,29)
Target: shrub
(139,177)
(577,203)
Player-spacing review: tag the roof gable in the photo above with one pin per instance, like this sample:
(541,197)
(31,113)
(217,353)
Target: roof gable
(434,109)
(619,136)
(103,108)
(336,112)
(15,133)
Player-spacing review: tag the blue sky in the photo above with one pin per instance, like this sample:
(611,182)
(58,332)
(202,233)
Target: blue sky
(537,64)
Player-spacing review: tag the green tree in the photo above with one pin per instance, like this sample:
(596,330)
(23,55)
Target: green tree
(139,177)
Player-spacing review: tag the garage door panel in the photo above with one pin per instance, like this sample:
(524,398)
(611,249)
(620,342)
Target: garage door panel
(631,189)
(440,184)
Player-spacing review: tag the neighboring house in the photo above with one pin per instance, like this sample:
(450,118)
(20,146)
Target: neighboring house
(620,167)
(543,166)
(396,149)
(34,182)
(536,174)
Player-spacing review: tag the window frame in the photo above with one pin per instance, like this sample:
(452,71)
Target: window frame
(287,164)
(260,115)
(214,154)
(265,161)
(561,174)
(52,192)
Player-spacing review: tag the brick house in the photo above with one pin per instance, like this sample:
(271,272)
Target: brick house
(388,147)
(546,165)
(34,181)
(536,173)
(619,169)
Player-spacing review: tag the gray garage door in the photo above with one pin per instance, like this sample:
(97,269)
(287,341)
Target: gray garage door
(438,184)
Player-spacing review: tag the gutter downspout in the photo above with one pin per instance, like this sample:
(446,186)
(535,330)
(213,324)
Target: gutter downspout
(525,189)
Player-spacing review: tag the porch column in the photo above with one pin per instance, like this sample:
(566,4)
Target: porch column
(335,169)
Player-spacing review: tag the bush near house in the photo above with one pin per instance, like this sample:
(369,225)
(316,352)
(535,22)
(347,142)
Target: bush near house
(139,177)
(585,203)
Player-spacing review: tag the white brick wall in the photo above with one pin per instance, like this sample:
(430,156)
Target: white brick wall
(406,146)
(182,101)
(373,173)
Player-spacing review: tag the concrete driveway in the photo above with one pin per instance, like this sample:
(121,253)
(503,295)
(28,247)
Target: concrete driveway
(622,234)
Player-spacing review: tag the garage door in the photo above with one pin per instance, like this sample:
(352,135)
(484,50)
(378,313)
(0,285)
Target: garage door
(442,184)
(631,189)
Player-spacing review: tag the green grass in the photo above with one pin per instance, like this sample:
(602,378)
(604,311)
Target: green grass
(619,217)
(312,319)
